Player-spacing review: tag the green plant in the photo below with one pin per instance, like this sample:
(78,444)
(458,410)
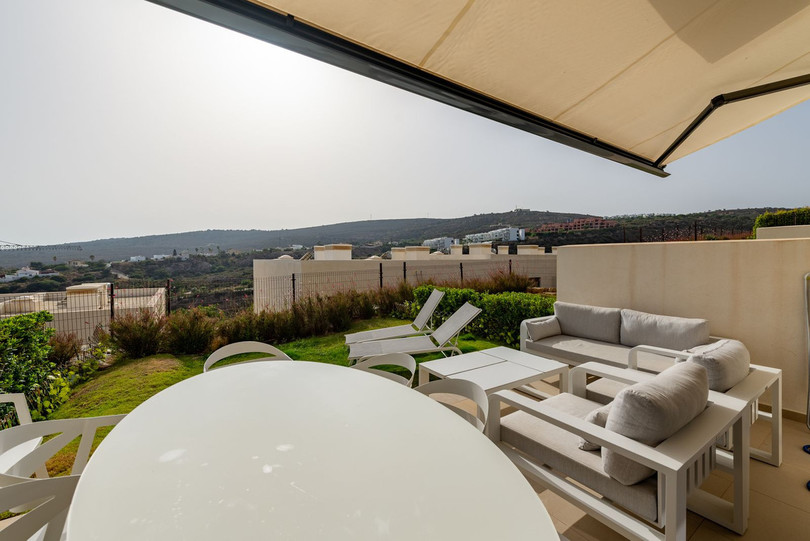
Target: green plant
(139,334)
(189,331)
(49,395)
(24,350)
(64,348)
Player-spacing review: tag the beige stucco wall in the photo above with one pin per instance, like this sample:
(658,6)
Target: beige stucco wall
(784,232)
(751,290)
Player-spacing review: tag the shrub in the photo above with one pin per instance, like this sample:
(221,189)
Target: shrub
(501,313)
(139,334)
(24,349)
(64,348)
(189,331)
(800,216)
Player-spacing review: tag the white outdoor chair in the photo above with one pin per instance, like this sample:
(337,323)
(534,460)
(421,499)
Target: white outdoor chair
(48,501)
(394,359)
(543,440)
(11,456)
(443,339)
(460,388)
(63,431)
(237,348)
(419,325)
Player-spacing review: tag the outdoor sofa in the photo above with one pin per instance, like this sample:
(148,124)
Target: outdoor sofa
(577,334)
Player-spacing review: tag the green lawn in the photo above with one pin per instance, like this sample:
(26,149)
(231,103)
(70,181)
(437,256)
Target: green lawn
(127,383)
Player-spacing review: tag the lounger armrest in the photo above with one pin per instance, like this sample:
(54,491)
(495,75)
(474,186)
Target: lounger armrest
(578,375)
(524,331)
(632,356)
(643,454)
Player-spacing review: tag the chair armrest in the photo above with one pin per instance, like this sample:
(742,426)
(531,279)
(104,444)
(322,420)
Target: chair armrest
(524,331)
(641,453)
(632,356)
(578,375)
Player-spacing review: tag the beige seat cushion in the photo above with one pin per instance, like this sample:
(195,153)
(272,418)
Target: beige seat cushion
(576,350)
(559,449)
(651,411)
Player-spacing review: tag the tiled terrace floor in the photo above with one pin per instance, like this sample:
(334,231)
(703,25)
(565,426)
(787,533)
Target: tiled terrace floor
(779,505)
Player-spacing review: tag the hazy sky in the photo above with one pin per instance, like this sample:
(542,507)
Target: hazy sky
(121,118)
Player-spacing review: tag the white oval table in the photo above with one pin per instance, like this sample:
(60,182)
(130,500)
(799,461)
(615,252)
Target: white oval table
(300,450)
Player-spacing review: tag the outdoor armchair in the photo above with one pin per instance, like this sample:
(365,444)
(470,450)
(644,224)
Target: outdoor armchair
(238,348)
(653,483)
(419,325)
(443,339)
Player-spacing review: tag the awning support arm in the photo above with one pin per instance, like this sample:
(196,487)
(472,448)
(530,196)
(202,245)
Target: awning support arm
(732,97)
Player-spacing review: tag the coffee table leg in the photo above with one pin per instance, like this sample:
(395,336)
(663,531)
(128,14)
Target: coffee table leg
(424,376)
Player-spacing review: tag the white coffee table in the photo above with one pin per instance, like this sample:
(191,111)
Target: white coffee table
(300,450)
(497,369)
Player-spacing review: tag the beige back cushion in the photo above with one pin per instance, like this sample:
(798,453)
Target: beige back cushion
(726,361)
(652,411)
(641,328)
(584,321)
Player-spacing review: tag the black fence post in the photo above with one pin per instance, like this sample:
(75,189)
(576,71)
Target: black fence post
(381,276)
(404,272)
(112,301)
(695,229)
(293,288)
(461,271)
(640,234)
(510,266)
(168,296)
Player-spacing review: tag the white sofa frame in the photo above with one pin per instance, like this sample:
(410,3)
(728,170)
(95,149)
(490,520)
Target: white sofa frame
(682,462)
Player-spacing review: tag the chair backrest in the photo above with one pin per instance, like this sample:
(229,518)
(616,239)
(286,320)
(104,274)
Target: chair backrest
(396,359)
(48,501)
(460,388)
(427,309)
(455,323)
(63,431)
(237,348)
(13,455)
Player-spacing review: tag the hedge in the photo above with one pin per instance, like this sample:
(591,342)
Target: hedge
(800,216)
(501,313)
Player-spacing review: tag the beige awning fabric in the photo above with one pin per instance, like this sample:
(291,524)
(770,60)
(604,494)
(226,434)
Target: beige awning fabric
(624,76)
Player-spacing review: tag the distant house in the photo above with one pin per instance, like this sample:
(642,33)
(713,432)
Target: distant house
(76,263)
(136,258)
(441,244)
(23,273)
(161,257)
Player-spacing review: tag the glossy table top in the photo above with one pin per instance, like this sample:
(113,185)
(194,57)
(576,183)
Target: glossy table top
(299,450)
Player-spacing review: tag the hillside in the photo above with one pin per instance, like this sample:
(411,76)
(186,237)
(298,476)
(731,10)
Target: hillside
(357,233)
(710,224)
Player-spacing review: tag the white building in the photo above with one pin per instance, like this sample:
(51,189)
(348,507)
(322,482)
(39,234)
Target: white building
(24,272)
(136,258)
(161,257)
(506,234)
(441,244)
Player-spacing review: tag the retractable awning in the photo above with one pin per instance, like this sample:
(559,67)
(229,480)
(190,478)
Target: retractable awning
(640,82)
